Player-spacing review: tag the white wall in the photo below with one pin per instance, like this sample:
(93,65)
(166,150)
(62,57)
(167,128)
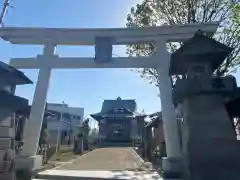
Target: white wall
(53,125)
(75,111)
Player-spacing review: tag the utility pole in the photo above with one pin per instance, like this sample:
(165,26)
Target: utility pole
(6,4)
(59,129)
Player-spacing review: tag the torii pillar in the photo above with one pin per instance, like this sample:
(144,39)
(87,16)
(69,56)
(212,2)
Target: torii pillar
(31,132)
(28,159)
(172,164)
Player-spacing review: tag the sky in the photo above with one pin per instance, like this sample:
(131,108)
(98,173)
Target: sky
(85,88)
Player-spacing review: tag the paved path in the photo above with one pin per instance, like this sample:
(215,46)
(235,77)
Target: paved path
(116,158)
(103,163)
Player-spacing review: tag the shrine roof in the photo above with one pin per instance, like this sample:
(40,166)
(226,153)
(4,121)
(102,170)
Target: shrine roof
(199,48)
(112,113)
(9,100)
(117,108)
(12,75)
(155,118)
(109,105)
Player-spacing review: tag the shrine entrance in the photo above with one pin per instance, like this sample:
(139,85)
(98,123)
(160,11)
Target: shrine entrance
(119,132)
(103,40)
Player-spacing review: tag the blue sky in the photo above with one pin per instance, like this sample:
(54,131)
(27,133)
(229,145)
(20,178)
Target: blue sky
(81,87)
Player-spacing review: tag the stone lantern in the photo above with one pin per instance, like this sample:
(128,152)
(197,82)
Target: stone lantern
(209,145)
(9,104)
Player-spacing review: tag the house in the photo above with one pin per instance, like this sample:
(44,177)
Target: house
(22,114)
(66,121)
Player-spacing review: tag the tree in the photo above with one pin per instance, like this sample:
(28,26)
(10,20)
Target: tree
(158,12)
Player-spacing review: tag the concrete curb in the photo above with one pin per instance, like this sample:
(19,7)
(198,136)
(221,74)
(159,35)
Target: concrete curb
(138,157)
(135,152)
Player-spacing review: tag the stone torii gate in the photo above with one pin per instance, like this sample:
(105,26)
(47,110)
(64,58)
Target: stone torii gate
(103,39)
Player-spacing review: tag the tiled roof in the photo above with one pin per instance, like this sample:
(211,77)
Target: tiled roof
(117,107)
(199,48)
(13,75)
(12,101)
(155,118)
(158,114)
(108,105)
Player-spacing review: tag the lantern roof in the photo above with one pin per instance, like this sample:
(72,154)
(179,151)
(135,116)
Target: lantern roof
(201,49)
(11,76)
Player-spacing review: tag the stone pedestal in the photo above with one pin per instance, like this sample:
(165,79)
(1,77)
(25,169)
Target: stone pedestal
(9,164)
(208,113)
(31,163)
(173,168)
(214,159)
(7,151)
(210,147)
(25,167)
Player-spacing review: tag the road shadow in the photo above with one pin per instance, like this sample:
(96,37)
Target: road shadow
(114,174)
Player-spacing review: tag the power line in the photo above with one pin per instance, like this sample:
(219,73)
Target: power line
(6,4)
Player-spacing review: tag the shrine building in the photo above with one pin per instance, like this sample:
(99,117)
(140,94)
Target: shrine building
(119,121)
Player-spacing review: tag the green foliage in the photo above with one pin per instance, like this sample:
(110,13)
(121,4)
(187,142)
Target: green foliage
(157,12)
